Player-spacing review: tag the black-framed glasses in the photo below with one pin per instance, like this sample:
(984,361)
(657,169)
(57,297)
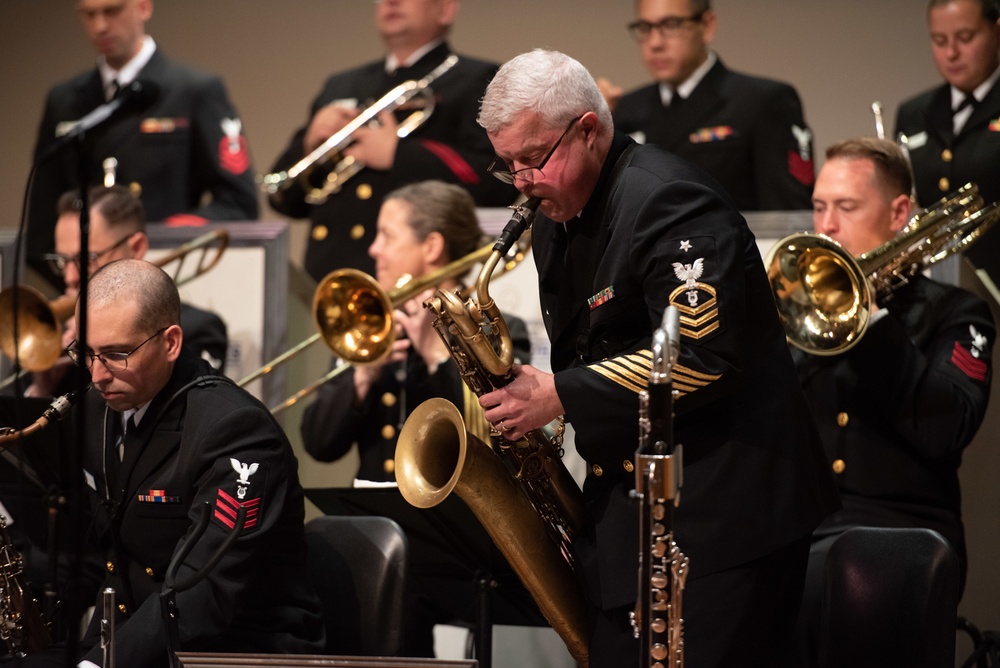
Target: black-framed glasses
(668,26)
(111,361)
(500,169)
(58,261)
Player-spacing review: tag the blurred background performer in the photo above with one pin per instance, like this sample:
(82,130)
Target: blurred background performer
(169,436)
(953,130)
(117,231)
(895,411)
(449,146)
(747,132)
(187,147)
(624,232)
(421,228)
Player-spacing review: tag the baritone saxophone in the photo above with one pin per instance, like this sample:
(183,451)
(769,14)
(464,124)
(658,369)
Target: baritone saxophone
(521,492)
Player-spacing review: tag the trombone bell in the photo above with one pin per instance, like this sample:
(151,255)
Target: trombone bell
(39,341)
(824,302)
(354,316)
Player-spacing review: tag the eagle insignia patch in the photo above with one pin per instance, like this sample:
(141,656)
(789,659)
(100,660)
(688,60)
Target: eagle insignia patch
(695,300)
(229,501)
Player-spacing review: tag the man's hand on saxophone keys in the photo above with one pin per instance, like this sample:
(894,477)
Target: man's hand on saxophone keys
(528,402)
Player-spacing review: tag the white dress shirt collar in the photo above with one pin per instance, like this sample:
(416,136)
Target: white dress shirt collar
(129,72)
(392,63)
(688,85)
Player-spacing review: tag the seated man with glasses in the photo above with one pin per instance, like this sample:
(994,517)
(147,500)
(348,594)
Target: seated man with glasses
(623,232)
(166,439)
(747,132)
(117,231)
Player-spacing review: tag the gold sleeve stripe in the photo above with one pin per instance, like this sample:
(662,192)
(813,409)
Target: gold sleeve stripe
(625,382)
(632,372)
(701,333)
(700,320)
(690,382)
(687,371)
(632,364)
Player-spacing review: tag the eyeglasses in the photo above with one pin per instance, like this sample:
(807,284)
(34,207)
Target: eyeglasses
(111,361)
(58,261)
(500,169)
(669,26)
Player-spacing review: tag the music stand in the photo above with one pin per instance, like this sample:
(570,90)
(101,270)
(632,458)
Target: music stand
(452,558)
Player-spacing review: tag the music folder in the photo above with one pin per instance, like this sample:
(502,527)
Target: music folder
(450,554)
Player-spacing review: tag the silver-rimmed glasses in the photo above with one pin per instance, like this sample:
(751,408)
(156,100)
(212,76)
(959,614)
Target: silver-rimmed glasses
(58,261)
(500,169)
(112,361)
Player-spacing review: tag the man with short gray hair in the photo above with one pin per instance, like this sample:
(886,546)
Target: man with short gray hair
(623,232)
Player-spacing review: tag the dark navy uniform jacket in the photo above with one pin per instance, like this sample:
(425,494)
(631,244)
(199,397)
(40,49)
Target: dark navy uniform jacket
(896,411)
(660,232)
(188,144)
(211,444)
(747,132)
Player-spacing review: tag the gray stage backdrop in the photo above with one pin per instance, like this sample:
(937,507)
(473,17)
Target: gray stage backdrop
(841,56)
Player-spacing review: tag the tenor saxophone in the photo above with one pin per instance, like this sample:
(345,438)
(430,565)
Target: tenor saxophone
(534,508)
(22,626)
(663,569)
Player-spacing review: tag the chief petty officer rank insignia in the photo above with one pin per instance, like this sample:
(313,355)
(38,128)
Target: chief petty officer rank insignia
(242,492)
(695,299)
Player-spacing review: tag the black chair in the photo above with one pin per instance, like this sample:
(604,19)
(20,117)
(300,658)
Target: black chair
(358,566)
(891,599)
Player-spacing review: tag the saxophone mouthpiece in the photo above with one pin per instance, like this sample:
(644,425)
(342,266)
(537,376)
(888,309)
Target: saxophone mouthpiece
(524,214)
(60,406)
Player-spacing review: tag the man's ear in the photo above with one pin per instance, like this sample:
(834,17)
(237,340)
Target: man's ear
(138,245)
(448,13)
(588,125)
(711,25)
(175,339)
(899,210)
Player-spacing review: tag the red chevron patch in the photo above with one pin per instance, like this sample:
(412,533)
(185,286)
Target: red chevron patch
(226,508)
(972,367)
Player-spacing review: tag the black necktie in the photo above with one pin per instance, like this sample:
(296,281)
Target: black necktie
(969,101)
(128,434)
(115,88)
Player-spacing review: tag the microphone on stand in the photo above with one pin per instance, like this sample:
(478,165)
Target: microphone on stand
(136,96)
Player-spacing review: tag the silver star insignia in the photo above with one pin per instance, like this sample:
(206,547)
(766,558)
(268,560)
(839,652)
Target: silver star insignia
(685,245)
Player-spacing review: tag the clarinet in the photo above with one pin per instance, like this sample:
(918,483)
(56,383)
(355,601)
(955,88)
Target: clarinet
(657,621)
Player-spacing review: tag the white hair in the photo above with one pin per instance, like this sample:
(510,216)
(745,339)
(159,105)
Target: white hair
(548,83)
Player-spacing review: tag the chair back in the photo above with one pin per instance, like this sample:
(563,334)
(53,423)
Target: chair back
(891,599)
(358,566)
